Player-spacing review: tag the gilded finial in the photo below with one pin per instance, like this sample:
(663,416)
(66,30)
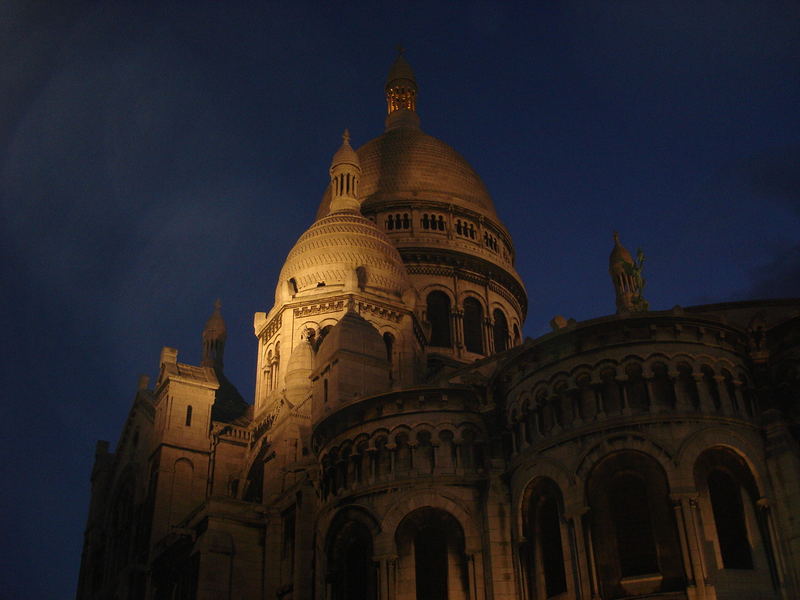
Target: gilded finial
(346,136)
(400,50)
(217,304)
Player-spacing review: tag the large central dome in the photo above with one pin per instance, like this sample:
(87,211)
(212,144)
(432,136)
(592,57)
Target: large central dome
(407,162)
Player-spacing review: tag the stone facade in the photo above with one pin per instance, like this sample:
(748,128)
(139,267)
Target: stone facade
(405,443)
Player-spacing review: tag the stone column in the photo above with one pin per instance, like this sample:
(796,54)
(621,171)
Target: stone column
(655,402)
(457,329)
(600,409)
(686,553)
(691,512)
(682,402)
(488,338)
(706,401)
(573,394)
(740,402)
(771,543)
(724,397)
(387,574)
(589,543)
(621,381)
(580,568)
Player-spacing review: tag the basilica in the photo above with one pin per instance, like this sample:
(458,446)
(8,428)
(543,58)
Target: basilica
(405,442)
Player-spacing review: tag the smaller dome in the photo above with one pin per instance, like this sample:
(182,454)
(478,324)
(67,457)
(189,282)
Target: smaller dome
(343,252)
(345,155)
(619,254)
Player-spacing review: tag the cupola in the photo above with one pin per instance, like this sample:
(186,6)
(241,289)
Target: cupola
(401,95)
(345,174)
(626,275)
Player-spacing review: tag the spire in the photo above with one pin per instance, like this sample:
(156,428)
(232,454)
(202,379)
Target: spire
(626,275)
(345,174)
(401,95)
(214,336)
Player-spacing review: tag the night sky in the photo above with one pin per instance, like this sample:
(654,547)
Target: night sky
(156,156)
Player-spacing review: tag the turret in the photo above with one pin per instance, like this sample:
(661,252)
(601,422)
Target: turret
(401,95)
(214,336)
(626,275)
(345,174)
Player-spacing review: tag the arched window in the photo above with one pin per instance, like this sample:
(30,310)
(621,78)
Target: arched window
(711,386)
(544,552)
(431,557)
(189,416)
(630,513)
(636,388)
(634,534)
(430,561)
(686,387)
(517,339)
(500,330)
(730,486)
(726,503)
(439,318)
(473,325)
(351,570)
(663,388)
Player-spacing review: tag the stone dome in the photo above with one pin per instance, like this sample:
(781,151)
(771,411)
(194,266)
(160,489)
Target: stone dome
(343,251)
(407,162)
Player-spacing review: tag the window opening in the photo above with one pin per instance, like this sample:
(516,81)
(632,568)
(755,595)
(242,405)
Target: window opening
(473,325)
(439,318)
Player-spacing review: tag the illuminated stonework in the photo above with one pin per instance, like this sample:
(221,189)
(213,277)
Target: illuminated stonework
(405,443)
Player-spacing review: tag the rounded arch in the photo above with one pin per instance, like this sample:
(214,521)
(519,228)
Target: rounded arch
(542,544)
(439,305)
(385,543)
(438,287)
(500,330)
(623,440)
(633,525)
(349,551)
(473,323)
(352,512)
(542,468)
(718,437)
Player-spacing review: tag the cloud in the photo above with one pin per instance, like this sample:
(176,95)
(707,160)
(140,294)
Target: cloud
(775,175)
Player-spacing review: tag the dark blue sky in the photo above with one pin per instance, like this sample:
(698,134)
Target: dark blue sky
(154,156)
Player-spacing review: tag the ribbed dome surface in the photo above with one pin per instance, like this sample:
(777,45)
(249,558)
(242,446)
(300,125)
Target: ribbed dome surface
(333,248)
(407,160)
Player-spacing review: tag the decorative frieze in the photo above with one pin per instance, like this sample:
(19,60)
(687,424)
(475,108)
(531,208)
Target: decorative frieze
(319,308)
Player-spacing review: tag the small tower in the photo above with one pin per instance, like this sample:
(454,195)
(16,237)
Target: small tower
(214,336)
(345,174)
(626,275)
(401,95)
